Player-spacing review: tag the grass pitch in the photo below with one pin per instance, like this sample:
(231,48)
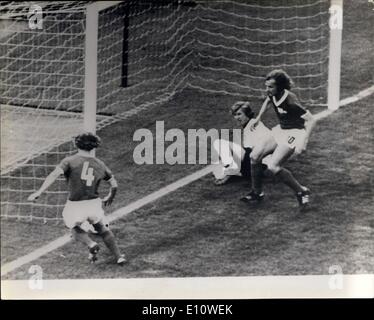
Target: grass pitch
(203,230)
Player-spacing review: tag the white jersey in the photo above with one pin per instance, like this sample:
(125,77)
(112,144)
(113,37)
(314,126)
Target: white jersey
(253,138)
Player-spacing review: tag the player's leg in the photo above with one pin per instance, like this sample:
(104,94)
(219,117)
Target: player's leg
(108,237)
(260,151)
(288,141)
(257,167)
(74,215)
(281,154)
(238,154)
(245,168)
(82,236)
(231,156)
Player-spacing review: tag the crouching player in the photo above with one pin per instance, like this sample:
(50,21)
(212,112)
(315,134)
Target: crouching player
(235,158)
(84,173)
(291,136)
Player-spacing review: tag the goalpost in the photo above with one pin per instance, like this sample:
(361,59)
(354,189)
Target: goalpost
(49,69)
(90,77)
(336,27)
(89,64)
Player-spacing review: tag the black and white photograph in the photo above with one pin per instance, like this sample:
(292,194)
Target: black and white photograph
(197,149)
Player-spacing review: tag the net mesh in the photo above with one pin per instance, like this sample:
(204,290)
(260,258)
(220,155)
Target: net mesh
(159,48)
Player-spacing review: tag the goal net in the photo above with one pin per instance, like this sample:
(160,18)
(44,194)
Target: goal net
(147,51)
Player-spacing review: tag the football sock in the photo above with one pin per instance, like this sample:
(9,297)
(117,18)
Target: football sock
(110,242)
(245,168)
(82,236)
(264,167)
(288,179)
(256,175)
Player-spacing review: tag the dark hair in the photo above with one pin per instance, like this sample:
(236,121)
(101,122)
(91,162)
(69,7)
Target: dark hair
(243,105)
(282,79)
(87,141)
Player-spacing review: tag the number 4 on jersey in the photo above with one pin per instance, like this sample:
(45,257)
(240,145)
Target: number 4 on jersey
(87,174)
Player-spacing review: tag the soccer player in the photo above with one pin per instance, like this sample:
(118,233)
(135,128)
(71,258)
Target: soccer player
(84,173)
(291,136)
(236,158)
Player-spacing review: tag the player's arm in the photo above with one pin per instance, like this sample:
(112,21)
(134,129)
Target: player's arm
(265,106)
(305,114)
(112,192)
(49,180)
(310,123)
(295,107)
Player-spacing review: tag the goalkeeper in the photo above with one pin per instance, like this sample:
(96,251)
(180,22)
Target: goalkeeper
(235,159)
(84,173)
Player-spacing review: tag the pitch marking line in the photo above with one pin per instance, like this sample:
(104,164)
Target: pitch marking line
(8,267)
(120,213)
(362,94)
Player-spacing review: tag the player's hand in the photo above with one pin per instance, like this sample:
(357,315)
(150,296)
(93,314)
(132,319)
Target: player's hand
(253,124)
(107,201)
(308,116)
(34,196)
(302,148)
(299,150)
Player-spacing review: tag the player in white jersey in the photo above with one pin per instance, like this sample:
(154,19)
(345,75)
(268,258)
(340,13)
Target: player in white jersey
(235,159)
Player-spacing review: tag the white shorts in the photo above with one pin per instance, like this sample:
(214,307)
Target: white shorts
(293,138)
(76,213)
